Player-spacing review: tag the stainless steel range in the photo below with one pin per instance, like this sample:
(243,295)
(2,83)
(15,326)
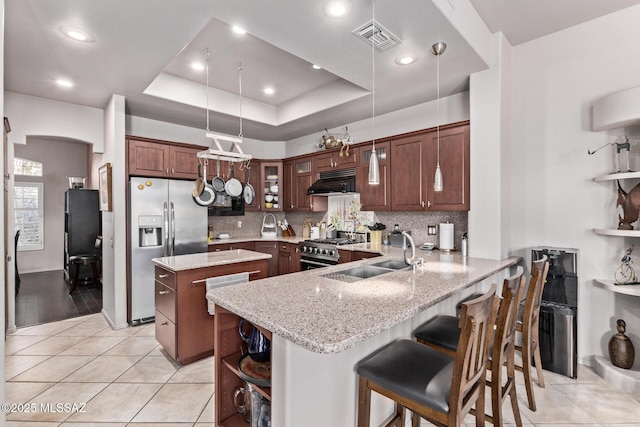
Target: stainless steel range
(318,253)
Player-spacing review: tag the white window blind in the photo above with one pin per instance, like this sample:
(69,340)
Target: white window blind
(29,212)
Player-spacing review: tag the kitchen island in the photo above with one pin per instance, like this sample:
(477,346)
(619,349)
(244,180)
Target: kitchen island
(183,324)
(321,328)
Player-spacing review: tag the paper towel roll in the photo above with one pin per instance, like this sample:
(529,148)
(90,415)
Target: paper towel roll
(446,236)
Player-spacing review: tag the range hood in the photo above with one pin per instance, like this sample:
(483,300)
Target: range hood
(334,183)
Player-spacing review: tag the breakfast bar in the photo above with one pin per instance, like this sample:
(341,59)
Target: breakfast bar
(321,327)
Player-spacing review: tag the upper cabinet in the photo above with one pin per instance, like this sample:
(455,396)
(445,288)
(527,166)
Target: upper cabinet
(335,159)
(298,177)
(413,162)
(269,190)
(158,159)
(374,197)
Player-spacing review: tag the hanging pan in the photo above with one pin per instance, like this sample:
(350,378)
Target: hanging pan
(248,193)
(217,182)
(233,187)
(198,186)
(208,195)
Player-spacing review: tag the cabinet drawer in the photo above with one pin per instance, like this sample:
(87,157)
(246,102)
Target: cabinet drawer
(166,277)
(166,301)
(285,247)
(166,334)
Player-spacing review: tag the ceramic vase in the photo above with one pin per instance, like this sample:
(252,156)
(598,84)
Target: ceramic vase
(621,351)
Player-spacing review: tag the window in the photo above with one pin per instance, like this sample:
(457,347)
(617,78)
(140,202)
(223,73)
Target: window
(26,167)
(28,208)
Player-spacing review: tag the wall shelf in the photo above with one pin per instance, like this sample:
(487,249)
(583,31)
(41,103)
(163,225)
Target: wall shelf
(610,285)
(618,175)
(616,232)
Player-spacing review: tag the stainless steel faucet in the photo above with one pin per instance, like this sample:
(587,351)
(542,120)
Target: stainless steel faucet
(413,261)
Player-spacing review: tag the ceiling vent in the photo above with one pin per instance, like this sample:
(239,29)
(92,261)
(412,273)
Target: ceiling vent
(381,38)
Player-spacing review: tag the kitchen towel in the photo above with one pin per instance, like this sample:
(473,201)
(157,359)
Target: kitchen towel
(446,236)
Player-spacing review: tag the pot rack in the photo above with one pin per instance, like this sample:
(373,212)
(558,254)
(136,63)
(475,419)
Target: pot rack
(215,151)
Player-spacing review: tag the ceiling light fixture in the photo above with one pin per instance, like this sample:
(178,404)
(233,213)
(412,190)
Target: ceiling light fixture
(75,34)
(269,91)
(406,59)
(374,167)
(337,8)
(197,66)
(438,49)
(64,83)
(316,67)
(239,30)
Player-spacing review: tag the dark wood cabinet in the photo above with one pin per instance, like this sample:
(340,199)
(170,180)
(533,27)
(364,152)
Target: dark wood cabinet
(299,176)
(147,157)
(413,162)
(183,324)
(288,258)
(335,159)
(374,197)
(272,249)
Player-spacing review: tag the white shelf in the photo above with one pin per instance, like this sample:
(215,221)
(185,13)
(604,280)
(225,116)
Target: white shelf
(624,379)
(620,289)
(617,111)
(616,232)
(617,175)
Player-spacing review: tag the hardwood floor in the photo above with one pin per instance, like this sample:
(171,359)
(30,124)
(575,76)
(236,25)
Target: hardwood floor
(44,297)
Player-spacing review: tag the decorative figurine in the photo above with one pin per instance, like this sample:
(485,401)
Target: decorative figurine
(622,151)
(630,203)
(621,351)
(625,275)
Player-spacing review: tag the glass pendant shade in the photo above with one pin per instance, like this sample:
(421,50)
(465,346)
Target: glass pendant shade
(437,182)
(374,168)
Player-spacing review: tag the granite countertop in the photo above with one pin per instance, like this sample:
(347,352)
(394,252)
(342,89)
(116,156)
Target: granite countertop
(208,259)
(294,239)
(331,316)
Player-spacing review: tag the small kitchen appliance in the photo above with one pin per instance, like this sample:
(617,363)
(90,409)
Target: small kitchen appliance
(446,237)
(269,226)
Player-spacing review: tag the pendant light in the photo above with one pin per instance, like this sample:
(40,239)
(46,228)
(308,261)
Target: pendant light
(438,49)
(374,167)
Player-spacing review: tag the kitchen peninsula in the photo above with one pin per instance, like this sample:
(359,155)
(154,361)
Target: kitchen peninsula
(321,328)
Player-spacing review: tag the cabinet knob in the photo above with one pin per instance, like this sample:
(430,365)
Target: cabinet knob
(429,204)
(163,276)
(164,323)
(167,171)
(422,203)
(163,292)
(173,171)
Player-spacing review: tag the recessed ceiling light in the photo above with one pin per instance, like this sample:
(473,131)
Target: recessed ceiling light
(239,30)
(198,66)
(64,83)
(406,59)
(317,67)
(76,34)
(337,8)
(269,91)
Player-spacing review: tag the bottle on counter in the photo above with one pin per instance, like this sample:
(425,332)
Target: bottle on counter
(465,245)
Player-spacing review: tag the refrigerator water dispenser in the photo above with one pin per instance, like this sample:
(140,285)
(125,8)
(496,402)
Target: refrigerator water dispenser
(149,230)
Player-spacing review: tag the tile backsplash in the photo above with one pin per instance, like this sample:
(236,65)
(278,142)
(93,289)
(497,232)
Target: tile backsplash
(417,222)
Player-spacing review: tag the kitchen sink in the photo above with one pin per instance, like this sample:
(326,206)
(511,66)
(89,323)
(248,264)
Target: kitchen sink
(357,273)
(393,264)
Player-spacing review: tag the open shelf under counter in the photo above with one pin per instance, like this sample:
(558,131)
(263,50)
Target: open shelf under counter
(617,175)
(616,232)
(620,289)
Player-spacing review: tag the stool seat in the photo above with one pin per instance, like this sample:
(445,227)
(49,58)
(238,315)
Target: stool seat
(443,330)
(86,259)
(414,371)
(83,259)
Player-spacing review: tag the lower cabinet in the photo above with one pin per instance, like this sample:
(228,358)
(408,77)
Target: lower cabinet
(272,249)
(228,343)
(288,258)
(183,324)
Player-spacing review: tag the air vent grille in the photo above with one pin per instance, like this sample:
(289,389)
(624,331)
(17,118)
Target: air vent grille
(381,38)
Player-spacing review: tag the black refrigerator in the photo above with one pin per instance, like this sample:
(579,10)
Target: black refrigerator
(81,226)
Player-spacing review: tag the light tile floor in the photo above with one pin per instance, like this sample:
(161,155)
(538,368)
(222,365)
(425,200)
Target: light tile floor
(126,380)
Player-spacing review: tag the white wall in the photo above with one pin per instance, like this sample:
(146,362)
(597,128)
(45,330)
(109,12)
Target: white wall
(454,108)
(148,128)
(556,79)
(59,159)
(54,119)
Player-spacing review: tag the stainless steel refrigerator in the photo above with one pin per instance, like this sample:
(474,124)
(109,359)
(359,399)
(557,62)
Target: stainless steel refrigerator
(165,221)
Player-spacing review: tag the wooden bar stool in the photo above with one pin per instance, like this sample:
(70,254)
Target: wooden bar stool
(440,332)
(529,327)
(431,384)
